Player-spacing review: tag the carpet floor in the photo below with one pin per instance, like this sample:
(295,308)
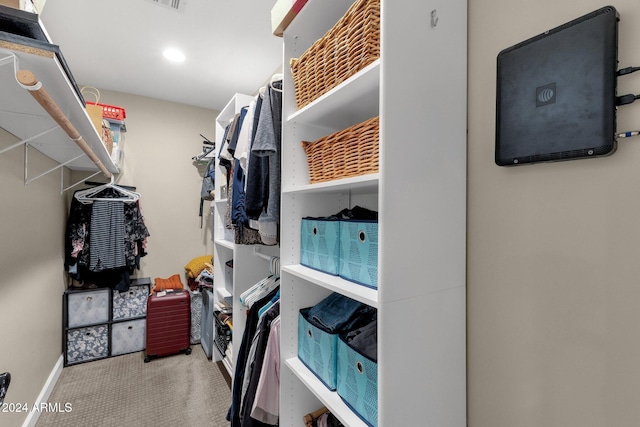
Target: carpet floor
(123,391)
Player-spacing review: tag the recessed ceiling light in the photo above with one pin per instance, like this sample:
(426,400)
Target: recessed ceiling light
(173,55)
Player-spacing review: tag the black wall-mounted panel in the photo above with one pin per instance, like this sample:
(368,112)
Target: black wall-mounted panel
(556,93)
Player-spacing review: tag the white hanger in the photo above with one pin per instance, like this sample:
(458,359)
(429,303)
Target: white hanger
(254,289)
(259,290)
(276,78)
(88,196)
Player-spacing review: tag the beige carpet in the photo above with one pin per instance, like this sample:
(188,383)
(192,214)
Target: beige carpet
(123,391)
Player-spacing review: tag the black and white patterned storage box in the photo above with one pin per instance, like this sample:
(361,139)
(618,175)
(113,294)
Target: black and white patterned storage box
(86,344)
(100,323)
(196,317)
(132,303)
(128,336)
(87,307)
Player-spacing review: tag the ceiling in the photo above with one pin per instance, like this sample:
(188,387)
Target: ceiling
(117,45)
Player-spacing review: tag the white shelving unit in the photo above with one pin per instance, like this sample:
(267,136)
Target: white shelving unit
(418,88)
(248,268)
(23,117)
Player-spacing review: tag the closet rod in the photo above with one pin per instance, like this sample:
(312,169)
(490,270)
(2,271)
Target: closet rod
(257,252)
(28,80)
(126,187)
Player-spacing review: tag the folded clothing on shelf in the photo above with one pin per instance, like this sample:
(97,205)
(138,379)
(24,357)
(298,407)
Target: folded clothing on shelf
(344,244)
(318,330)
(365,340)
(338,314)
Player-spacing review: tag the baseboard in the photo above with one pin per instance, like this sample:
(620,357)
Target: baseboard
(32,419)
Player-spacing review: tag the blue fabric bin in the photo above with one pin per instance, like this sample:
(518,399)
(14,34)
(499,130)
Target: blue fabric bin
(359,252)
(357,382)
(320,245)
(317,350)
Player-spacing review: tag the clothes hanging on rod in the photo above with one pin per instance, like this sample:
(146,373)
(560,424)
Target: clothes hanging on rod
(251,158)
(267,142)
(251,326)
(266,405)
(259,290)
(254,368)
(109,192)
(105,237)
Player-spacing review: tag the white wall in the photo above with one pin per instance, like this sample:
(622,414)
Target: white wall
(161,139)
(32,220)
(553,249)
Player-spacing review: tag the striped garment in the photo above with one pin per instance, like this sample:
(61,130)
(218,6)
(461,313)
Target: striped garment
(107,236)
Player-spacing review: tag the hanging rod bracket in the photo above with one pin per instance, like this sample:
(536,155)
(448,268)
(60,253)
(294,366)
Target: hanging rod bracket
(29,180)
(62,190)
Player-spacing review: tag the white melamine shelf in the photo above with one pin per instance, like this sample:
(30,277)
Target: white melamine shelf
(353,290)
(329,398)
(22,116)
(353,101)
(359,184)
(225,243)
(311,22)
(417,88)
(223,293)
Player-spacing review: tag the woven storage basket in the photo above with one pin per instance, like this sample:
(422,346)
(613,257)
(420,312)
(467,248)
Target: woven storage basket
(349,152)
(348,47)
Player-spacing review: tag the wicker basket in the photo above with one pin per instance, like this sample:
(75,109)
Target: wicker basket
(348,47)
(347,153)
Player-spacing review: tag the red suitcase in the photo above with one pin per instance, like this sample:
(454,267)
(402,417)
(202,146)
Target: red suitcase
(168,324)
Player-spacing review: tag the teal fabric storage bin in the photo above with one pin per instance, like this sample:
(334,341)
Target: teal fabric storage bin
(317,350)
(359,252)
(357,382)
(320,244)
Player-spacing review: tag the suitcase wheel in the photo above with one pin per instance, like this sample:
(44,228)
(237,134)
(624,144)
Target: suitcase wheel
(187,351)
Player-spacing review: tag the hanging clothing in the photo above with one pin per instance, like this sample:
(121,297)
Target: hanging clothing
(246,134)
(268,143)
(238,215)
(266,406)
(257,187)
(250,155)
(255,366)
(251,326)
(107,236)
(104,241)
